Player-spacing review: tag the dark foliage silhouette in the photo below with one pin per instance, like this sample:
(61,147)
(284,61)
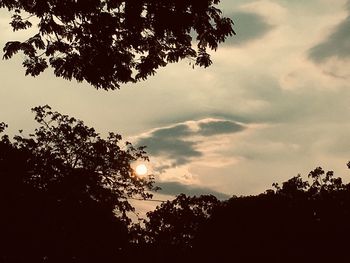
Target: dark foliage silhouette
(64,198)
(169,231)
(109,42)
(298,222)
(64,192)
(177,222)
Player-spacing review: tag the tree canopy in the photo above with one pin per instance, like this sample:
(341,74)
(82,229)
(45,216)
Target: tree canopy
(64,192)
(64,197)
(176,222)
(299,221)
(110,42)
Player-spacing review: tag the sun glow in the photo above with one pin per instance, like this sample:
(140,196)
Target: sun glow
(141,170)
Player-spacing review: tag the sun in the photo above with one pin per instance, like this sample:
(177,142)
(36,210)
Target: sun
(141,169)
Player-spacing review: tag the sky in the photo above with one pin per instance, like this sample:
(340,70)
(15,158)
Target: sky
(275,102)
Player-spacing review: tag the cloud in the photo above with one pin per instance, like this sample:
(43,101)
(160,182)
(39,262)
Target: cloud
(219,127)
(180,130)
(337,44)
(175,188)
(333,54)
(248,27)
(180,143)
(171,142)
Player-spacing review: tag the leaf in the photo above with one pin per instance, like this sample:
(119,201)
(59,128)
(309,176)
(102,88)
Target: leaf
(34,66)
(37,41)
(11,48)
(17,23)
(203,60)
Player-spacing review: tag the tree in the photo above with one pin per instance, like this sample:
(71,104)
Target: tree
(64,191)
(169,230)
(176,222)
(109,42)
(300,221)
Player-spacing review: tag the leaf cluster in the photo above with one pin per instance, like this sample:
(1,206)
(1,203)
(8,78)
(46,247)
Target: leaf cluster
(110,42)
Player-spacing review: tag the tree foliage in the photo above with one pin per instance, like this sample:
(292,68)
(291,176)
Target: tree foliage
(176,222)
(109,42)
(64,191)
(170,230)
(64,198)
(299,221)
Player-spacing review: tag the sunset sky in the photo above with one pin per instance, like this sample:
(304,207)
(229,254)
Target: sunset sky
(275,102)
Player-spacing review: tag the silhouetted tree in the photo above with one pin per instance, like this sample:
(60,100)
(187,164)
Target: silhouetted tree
(300,221)
(64,198)
(64,192)
(176,222)
(169,230)
(109,42)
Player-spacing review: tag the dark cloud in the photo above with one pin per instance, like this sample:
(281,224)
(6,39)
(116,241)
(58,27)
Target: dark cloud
(171,147)
(337,44)
(171,143)
(180,130)
(176,143)
(219,127)
(248,27)
(175,188)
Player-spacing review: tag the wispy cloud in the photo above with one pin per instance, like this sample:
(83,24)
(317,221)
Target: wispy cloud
(248,27)
(333,54)
(180,143)
(337,43)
